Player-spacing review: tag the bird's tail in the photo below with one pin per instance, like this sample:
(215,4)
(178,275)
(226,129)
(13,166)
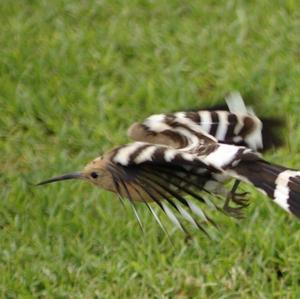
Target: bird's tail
(280,183)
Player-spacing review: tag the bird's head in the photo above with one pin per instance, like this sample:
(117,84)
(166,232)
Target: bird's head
(95,172)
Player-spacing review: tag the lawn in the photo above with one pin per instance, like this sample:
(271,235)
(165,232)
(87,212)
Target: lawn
(73,76)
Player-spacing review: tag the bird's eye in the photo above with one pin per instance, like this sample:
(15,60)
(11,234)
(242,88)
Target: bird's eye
(94,175)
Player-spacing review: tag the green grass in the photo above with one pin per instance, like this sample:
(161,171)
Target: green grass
(73,76)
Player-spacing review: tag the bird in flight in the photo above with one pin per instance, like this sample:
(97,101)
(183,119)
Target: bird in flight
(182,162)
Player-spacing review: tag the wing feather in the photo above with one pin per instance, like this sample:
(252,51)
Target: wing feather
(151,175)
(238,126)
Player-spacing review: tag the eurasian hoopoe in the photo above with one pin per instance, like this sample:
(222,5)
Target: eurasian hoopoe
(183,156)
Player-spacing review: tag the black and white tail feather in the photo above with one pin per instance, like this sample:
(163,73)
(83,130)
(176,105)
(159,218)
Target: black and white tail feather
(279,183)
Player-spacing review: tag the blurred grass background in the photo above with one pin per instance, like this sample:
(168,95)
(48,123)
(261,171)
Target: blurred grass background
(73,76)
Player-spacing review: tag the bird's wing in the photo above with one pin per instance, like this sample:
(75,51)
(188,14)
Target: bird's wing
(238,126)
(178,130)
(166,176)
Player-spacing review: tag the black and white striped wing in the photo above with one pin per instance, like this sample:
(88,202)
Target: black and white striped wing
(170,178)
(238,126)
(184,128)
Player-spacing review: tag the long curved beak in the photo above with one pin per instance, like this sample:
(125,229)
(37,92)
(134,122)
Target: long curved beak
(68,176)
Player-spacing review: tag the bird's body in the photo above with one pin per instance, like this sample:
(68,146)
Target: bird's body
(186,155)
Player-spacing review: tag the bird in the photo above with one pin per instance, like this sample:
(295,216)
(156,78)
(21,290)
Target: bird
(179,161)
